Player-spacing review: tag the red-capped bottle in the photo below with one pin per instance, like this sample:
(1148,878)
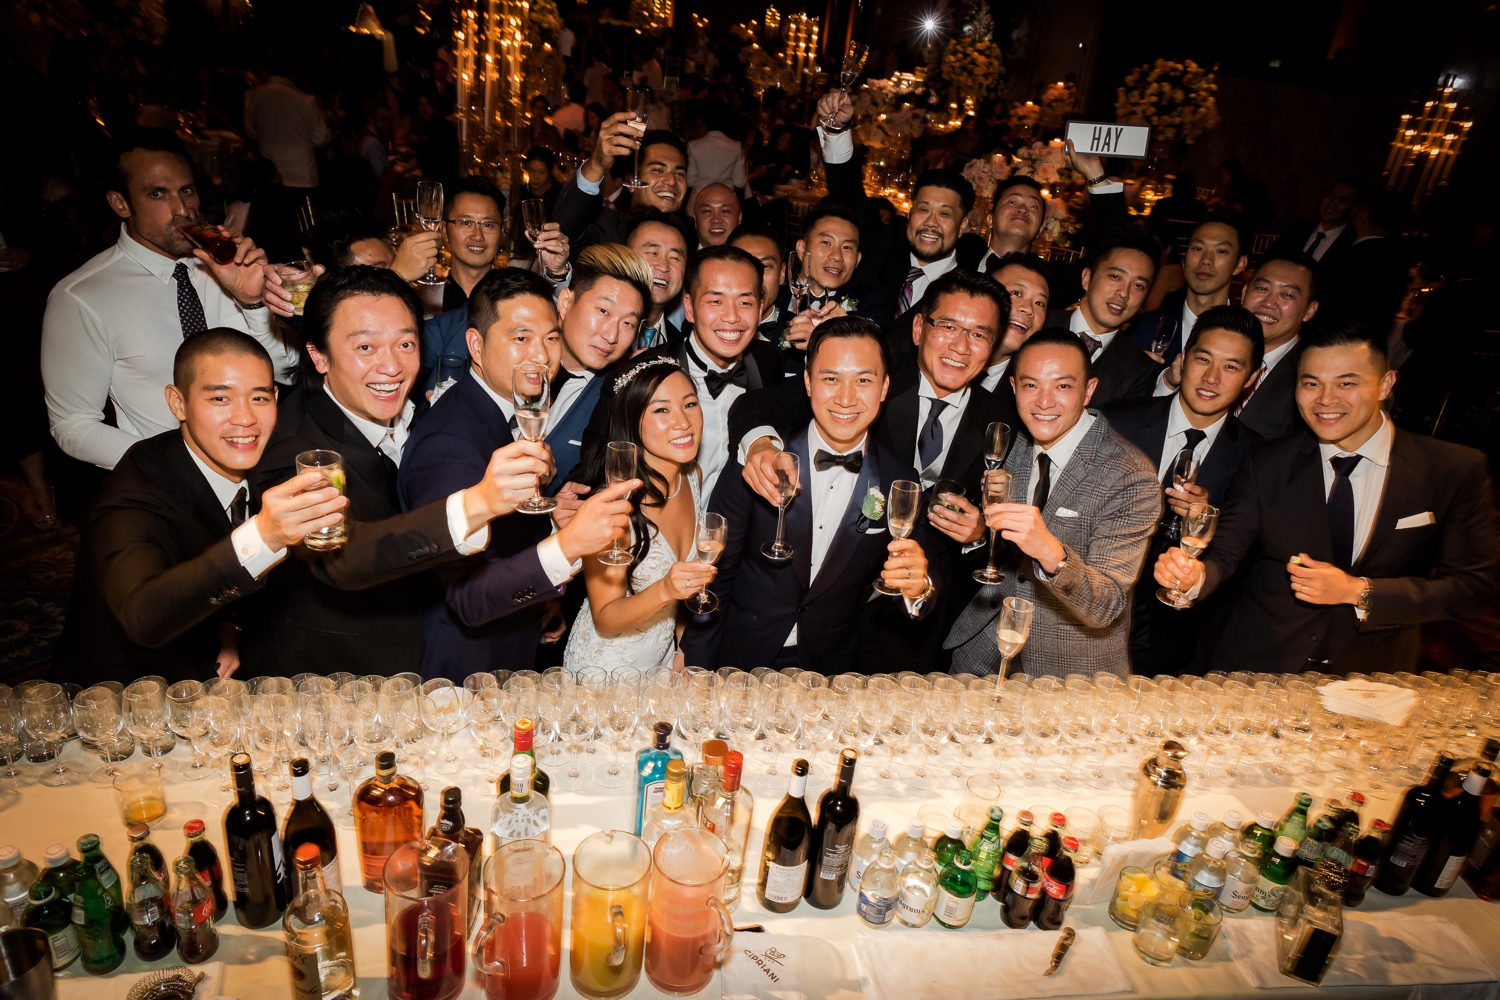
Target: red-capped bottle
(1057,888)
(523,738)
(1023,889)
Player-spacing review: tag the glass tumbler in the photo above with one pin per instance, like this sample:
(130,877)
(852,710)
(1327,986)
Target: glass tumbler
(1160,931)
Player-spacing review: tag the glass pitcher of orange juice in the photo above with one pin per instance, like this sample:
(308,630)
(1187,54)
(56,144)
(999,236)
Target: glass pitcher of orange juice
(688,926)
(519,949)
(611,882)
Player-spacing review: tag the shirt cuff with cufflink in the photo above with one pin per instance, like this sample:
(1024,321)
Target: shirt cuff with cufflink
(559,571)
(251,550)
(839,146)
(463,544)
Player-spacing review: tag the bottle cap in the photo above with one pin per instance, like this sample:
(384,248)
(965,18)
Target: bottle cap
(56,856)
(1217,848)
(524,735)
(1058,819)
(1200,821)
(676,770)
(1476,779)
(996,814)
(1266,818)
(714,752)
(299,767)
(385,762)
(1382,826)
(193,828)
(520,765)
(138,831)
(1024,817)
(734,766)
(1286,846)
(1070,844)
(309,856)
(452,796)
(88,842)
(9,856)
(915,829)
(799,766)
(42,892)
(955,828)
(1358,798)
(240,763)
(877,828)
(663,731)
(1233,820)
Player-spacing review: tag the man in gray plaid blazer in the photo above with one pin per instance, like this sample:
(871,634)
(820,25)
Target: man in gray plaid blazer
(1085,503)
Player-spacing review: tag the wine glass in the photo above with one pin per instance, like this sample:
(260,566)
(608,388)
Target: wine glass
(996,444)
(901,509)
(185,717)
(618,716)
(430,214)
(788,482)
(1197,531)
(533,217)
(640,103)
(532,395)
(96,713)
(445,710)
(996,490)
(621,459)
(146,714)
(1165,334)
(854,64)
(708,545)
(11,743)
(1013,628)
(796,279)
(1184,474)
(49,717)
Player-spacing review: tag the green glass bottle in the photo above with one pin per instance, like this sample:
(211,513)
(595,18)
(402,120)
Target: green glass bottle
(949,843)
(1294,824)
(1259,838)
(97,913)
(957,890)
(58,871)
(988,850)
(53,917)
(1276,871)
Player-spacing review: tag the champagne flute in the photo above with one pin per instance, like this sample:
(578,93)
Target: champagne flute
(1165,334)
(640,102)
(996,490)
(1184,474)
(620,461)
(996,444)
(531,392)
(788,482)
(533,217)
(708,543)
(796,280)
(430,214)
(901,509)
(1013,628)
(854,64)
(1197,531)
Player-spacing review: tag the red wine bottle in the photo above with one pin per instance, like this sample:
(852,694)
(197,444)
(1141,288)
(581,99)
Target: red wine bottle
(256,863)
(833,838)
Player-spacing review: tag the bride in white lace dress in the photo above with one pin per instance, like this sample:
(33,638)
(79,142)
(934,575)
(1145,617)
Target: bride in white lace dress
(630,616)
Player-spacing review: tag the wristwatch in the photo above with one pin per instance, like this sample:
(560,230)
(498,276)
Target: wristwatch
(1366,594)
(1096,181)
(927,592)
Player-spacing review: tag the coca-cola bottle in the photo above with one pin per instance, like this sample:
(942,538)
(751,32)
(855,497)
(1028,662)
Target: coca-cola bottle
(1023,890)
(1015,850)
(1057,889)
(1365,862)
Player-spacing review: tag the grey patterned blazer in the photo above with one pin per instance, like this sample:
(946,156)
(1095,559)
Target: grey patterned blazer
(1103,508)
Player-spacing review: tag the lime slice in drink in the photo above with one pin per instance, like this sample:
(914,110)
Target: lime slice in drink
(336,479)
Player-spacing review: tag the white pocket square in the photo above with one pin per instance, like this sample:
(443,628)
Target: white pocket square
(1416,520)
(1065,512)
(579,443)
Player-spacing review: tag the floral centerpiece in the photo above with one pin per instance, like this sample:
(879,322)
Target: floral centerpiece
(1024,116)
(1175,98)
(986,173)
(1045,162)
(1057,103)
(972,62)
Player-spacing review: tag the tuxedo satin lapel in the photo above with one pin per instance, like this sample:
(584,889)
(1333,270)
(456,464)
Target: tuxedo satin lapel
(799,512)
(847,538)
(1402,494)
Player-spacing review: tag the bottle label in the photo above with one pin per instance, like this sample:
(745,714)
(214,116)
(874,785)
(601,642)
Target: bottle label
(307,982)
(914,907)
(239,873)
(80,915)
(1450,871)
(203,911)
(876,909)
(145,905)
(64,946)
(1267,894)
(1186,852)
(1409,850)
(1009,861)
(331,877)
(107,876)
(280,859)
(1236,895)
(857,866)
(1025,889)
(835,862)
(1359,866)
(784,883)
(952,910)
(652,793)
(1057,890)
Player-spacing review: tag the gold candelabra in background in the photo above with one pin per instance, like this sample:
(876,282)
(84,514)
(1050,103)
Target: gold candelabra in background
(1428,140)
(801,52)
(490,47)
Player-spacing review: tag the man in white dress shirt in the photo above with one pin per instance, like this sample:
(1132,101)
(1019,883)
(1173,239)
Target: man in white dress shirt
(1215,255)
(716,158)
(113,326)
(1121,269)
(289,128)
(1327,236)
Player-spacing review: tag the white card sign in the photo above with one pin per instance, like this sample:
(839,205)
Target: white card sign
(1107,139)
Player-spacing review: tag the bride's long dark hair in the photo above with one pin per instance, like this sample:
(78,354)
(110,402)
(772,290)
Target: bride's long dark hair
(625,409)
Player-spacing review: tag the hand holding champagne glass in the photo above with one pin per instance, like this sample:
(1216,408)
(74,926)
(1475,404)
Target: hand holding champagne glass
(1197,531)
(788,483)
(853,65)
(1013,629)
(708,545)
(533,217)
(996,490)
(430,214)
(531,393)
(1184,474)
(640,103)
(620,461)
(901,509)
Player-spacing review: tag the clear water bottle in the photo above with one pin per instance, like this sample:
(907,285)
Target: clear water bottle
(16,878)
(1191,838)
(918,891)
(866,850)
(1207,872)
(878,891)
(1241,875)
(909,845)
(1228,828)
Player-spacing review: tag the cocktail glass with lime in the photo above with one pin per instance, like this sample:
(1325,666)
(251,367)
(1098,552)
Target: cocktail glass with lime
(331,465)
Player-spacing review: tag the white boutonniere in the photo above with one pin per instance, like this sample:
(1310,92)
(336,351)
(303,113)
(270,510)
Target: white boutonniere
(873,507)
(849,304)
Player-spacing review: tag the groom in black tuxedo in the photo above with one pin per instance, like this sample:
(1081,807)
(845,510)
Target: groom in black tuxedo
(805,610)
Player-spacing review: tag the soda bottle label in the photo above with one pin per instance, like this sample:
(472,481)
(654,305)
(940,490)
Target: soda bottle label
(1057,890)
(1022,887)
(1009,861)
(913,906)
(1268,894)
(954,910)
(203,911)
(107,876)
(1359,866)
(1236,895)
(64,946)
(784,883)
(876,909)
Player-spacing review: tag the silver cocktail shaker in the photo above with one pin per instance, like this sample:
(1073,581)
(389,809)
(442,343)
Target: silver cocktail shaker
(1159,787)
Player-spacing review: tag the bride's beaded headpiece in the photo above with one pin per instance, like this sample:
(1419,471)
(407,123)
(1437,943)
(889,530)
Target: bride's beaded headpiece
(625,379)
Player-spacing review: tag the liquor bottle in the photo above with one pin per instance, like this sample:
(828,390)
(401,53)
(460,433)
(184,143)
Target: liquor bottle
(206,858)
(1322,834)
(1016,846)
(1208,872)
(1241,876)
(58,871)
(727,816)
(1228,829)
(867,849)
(315,929)
(1453,787)
(520,814)
(651,771)
(1275,872)
(1057,889)
(1191,838)
(1412,833)
(704,779)
(307,822)
(387,814)
(257,866)
(1365,863)
(671,813)
(916,891)
(451,825)
(523,741)
(1455,838)
(99,918)
(193,914)
(53,917)
(1294,823)
(957,890)
(949,842)
(150,911)
(879,891)
(909,844)
(140,843)
(833,837)
(17,875)
(987,852)
(1024,887)
(92,856)
(784,856)
(1260,837)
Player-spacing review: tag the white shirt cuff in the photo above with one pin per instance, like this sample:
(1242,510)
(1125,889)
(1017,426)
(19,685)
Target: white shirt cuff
(1112,187)
(584,184)
(252,552)
(973,546)
(755,434)
(559,571)
(1162,389)
(838,148)
(256,320)
(464,544)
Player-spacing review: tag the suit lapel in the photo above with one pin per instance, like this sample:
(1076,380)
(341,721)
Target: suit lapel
(900,418)
(799,512)
(1079,466)
(361,459)
(190,488)
(1306,494)
(1399,494)
(1154,433)
(968,441)
(1223,458)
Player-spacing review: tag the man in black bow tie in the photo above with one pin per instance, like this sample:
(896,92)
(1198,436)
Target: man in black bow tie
(830,255)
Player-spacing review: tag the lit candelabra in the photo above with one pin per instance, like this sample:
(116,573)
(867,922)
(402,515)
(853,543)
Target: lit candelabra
(801,50)
(490,46)
(1428,140)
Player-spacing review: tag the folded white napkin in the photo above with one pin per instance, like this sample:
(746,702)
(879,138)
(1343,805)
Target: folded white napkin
(1116,857)
(1368,700)
(763,967)
(934,962)
(1378,949)
(72,986)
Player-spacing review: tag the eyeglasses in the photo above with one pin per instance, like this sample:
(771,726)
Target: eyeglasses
(948,328)
(467,225)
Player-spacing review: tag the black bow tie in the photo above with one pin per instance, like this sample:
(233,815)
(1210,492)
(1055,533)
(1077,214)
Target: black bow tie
(561,379)
(717,381)
(852,462)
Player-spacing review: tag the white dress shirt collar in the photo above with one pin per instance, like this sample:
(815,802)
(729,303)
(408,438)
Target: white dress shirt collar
(1061,450)
(1330,236)
(507,408)
(1078,324)
(1375,450)
(388,439)
(158,264)
(1366,481)
(993,375)
(1189,320)
(1274,356)
(815,442)
(224,489)
(1176,436)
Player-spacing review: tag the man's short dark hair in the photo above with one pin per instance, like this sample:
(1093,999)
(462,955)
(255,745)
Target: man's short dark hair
(662,137)
(1235,221)
(541,154)
(949,180)
(1347,333)
(1361,189)
(961,282)
(1127,237)
(1234,319)
(757,230)
(828,209)
(476,184)
(148,140)
(728,254)
(334,236)
(501,285)
(1017,180)
(1296,258)
(844,328)
(345,283)
(1055,336)
(219,340)
(641,216)
(1029,261)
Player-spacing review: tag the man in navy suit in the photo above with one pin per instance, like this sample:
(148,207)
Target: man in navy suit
(492,612)
(805,610)
(1223,353)
(830,253)
(1215,254)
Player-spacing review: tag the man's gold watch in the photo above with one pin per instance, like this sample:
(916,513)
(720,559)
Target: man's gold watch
(1366,594)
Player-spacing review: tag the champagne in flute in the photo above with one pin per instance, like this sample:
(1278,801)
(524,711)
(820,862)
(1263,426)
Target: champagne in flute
(1165,335)
(331,465)
(620,461)
(996,444)
(640,102)
(788,482)
(1197,531)
(853,65)
(796,280)
(708,543)
(1184,474)
(1013,629)
(996,490)
(534,217)
(430,214)
(531,393)
(901,509)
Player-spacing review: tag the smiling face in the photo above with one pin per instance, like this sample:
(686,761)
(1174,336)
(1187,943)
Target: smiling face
(831,253)
(935,222)
(161,197)
(953,344)
(846,383)
(766,251)
(527,330)
(1017,218)
(716,211)
(1339,392)
(373,356)
(477,244)
(1337,206)
(1029,296)
(1278,296)
(725,310)
(1214,373)
(672,426)
(666,251)
(1115,288)
(228,411)
(1212,260)
(599,324)
(665,172)
(1050,392)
